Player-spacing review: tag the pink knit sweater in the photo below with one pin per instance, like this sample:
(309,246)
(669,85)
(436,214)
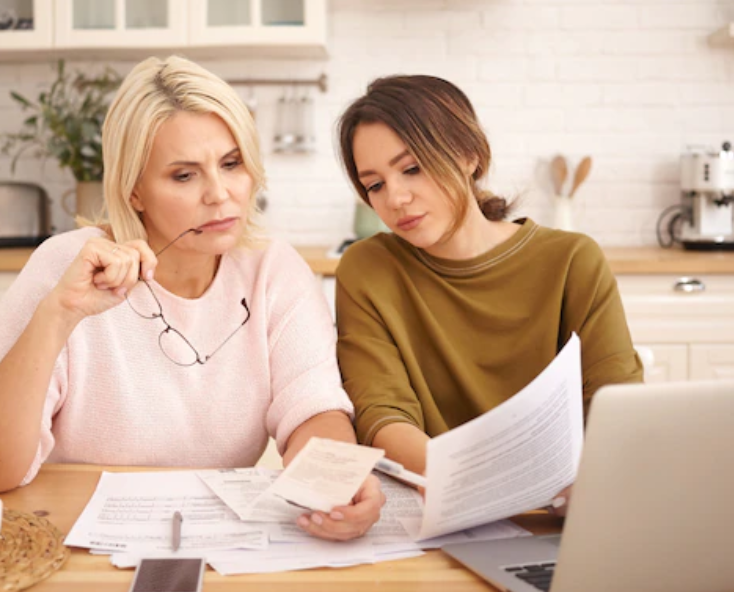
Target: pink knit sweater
(114,398)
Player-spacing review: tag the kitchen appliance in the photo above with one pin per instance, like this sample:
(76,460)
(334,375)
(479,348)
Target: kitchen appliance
(24,214)
(704,220)
(366,223)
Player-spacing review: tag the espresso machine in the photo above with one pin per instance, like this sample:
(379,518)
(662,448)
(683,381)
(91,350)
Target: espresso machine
(705,216)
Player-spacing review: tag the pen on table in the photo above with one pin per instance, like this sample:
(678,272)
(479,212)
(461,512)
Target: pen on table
(176,533)
(394,469)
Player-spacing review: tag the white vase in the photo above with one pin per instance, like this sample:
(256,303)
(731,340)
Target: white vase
(88,202)
(563,213)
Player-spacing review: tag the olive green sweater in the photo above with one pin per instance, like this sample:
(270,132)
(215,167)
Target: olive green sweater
(437,342)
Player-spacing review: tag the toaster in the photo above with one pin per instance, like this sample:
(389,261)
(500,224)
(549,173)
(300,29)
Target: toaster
(24,214)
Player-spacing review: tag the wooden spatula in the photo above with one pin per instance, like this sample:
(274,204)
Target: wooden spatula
(582,171)
(559,172)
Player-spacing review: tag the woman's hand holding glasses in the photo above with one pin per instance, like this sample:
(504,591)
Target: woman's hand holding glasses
(102,273)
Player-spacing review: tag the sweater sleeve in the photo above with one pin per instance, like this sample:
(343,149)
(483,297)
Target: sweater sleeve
(33,284)
(305,377)
(372,368)
(593,309)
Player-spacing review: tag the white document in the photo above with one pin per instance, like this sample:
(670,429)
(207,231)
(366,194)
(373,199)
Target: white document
(502,529)
(512,459)
(246,492)
(287,557)
(132,513)
(325,474)
(401,502)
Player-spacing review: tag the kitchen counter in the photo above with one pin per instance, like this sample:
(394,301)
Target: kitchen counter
(622,260)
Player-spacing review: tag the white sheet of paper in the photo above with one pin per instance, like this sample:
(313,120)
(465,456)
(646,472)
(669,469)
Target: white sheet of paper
(132,512)
(287,557)
(325,474)
(401,502)
(512,459)
(502,529)
(245,491)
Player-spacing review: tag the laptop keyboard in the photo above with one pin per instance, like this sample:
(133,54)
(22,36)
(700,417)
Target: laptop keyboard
(536,574)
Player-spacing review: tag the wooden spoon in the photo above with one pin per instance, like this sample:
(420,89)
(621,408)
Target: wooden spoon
(559,172)
(582,171)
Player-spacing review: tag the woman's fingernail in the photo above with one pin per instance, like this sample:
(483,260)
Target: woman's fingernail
(149,275)
(336,516)
(317,519)
(559,502)
(302,522)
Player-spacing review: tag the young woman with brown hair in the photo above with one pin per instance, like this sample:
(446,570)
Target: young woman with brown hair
(458,308)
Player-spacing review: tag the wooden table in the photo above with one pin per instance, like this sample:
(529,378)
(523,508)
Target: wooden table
(64,490)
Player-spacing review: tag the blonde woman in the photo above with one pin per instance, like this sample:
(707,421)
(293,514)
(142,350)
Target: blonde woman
(458,308)
(170,335)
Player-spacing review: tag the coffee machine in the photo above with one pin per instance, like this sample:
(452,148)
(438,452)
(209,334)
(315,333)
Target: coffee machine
(705,219)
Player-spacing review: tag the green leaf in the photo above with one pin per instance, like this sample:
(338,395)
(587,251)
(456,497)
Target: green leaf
(66,121)
(20,99)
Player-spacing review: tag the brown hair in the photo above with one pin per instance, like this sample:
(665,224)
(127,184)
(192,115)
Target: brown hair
(439,127)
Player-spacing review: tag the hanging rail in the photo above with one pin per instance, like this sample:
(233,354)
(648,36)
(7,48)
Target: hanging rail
(321,82)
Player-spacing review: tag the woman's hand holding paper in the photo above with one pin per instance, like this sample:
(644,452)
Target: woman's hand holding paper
(348,522)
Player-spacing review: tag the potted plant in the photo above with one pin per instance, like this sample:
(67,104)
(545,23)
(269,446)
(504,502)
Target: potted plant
(65,122)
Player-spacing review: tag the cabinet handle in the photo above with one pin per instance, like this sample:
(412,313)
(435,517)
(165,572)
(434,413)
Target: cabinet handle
(689,285)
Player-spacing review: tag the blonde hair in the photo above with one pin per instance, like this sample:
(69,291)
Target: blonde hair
(151,93)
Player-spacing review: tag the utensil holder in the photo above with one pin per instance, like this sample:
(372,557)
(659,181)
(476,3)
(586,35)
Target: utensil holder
(563,213)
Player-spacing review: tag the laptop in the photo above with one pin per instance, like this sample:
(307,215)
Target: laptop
(652,508)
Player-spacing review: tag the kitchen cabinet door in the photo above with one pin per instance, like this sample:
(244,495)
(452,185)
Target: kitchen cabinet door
(291,25)
(124,24)
(670,363)
(328,285)
(684,310)
(712,361)
(26,24)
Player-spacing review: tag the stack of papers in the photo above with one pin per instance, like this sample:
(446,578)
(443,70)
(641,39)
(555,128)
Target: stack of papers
(130,517)
(512,459)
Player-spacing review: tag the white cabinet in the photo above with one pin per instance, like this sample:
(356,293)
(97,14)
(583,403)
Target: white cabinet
(328,285)
(27,24)
(670,363)
(711,362)
(260,22)
(120,29)
(120,23)
(688,323)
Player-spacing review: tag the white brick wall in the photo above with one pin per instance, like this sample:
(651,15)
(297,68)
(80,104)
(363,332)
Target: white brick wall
(630,82)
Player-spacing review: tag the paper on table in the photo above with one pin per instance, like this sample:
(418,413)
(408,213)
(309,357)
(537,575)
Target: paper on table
(512,459)
(401,502)
(325,474)
(388,540)
(399,524)
(501,529)
(132,512)
(245,491)
(286,557)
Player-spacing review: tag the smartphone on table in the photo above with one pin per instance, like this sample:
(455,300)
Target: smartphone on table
(169,575)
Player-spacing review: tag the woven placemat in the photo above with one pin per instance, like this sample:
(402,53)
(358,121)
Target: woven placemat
(31,549)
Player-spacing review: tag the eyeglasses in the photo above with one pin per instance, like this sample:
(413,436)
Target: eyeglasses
(172,342)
